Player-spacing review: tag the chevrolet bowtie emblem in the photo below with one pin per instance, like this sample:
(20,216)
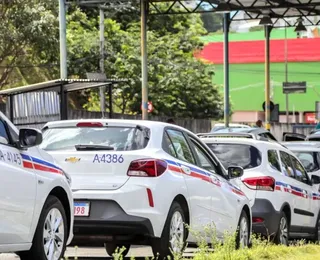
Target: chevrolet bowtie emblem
(72,159)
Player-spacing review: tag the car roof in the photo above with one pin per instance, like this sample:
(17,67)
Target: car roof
(233,124)
(302,145)
(235,140)
(145,123)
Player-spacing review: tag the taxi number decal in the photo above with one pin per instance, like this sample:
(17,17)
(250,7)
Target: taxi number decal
(10,157)
(108,158)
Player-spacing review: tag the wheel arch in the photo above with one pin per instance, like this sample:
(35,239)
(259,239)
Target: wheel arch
(287,210)
(184,204)
(246,209)
(61,194)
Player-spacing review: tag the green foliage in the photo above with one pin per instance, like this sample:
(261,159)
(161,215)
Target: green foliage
(179,85)
(28,32)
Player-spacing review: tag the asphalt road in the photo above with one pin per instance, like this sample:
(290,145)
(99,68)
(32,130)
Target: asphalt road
(86,253)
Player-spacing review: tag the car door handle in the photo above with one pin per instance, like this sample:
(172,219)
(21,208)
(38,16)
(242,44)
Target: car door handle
(185,169)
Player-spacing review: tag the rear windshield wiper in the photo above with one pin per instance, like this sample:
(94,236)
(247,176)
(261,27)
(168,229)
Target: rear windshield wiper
(93,147)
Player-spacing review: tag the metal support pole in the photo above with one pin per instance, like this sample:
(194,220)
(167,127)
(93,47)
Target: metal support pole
(63,39)
(286,73)
(226,25)
(110,101)
(63,103)
(101,63)
(267,30)
(11,114)
(144,60)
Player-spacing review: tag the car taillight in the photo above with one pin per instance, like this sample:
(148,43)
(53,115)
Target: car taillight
(260,183)
(89,124)
(257,220)
(147,168)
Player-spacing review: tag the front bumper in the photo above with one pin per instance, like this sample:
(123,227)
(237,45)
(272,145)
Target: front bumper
(107,218)
(263,208)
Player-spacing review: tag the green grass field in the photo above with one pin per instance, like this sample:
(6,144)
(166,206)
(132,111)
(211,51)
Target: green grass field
(247,83)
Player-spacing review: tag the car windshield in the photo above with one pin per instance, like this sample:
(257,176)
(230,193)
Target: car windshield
(242,155)
(113,138)
(308,159)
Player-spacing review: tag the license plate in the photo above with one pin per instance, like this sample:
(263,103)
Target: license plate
(81,209)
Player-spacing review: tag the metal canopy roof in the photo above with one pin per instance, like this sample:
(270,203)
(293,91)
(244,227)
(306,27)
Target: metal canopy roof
(241,10)
(55,85)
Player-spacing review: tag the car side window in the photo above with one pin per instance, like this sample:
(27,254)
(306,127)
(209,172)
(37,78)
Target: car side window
(168,146)
(301,174)
(273,160)
(286,164)
(180,146)
(204,158)
(4,138)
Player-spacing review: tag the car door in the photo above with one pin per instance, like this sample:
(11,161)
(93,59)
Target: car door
(18,190)
(224,202)
(295,194)
(195,178)
(304,206)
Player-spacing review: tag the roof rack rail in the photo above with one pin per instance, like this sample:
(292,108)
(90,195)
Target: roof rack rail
(227,135)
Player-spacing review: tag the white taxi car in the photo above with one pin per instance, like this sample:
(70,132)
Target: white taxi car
(138,182)
(308,153)
(36,205)
(285,200)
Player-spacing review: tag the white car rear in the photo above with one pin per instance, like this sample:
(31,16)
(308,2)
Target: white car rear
(36,205)
(285,201)
(132,180)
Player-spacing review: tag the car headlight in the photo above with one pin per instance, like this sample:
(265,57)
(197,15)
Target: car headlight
(68,177)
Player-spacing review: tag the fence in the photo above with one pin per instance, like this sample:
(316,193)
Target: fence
(194,125)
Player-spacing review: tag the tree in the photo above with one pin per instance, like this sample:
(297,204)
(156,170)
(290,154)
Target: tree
(179,85)
(28,42)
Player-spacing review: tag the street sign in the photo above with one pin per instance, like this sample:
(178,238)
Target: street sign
(271,106)
(150,107)
(310,118)
(294,87)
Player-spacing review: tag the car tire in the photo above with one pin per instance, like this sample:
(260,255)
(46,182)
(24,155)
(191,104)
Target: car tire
(316,237)
(112,248)
(164,247)
(243,231)
(282,235)
(52,209)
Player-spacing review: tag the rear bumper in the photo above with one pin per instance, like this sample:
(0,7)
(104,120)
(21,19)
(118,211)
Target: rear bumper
(264,209)
(107,219)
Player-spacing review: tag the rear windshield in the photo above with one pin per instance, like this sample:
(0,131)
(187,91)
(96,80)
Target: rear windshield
(242,155)
(119,138)
(309,160)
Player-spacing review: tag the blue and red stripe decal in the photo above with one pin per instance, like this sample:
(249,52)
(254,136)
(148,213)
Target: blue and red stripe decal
(200,174)
(315,196)
(281,186)
(34,163)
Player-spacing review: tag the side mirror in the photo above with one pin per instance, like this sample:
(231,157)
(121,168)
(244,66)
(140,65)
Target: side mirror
(3,140)
(235,172)
(315,179)
(29,137)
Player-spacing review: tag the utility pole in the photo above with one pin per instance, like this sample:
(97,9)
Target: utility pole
(101,63)
(63,39)
(286,72)
(144,60)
